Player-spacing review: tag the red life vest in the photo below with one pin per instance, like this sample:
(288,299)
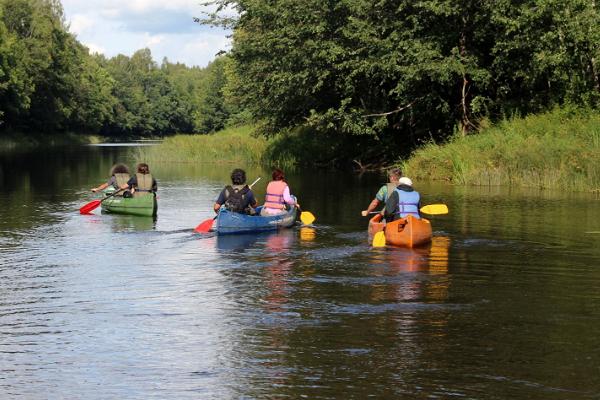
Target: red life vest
(274,196)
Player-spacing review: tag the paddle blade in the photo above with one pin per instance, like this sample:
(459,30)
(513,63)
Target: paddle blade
(307,217)
(379,239)
(435,209)
(204,226)
(89,207)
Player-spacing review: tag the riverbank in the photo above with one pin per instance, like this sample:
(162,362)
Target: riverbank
(555,150)
(233,145)
(240,145)
(18,141)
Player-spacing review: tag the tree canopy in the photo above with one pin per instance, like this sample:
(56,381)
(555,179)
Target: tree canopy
(407,71)
(50,83)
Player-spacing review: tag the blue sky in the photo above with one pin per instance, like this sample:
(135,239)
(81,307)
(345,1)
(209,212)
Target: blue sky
(166,27)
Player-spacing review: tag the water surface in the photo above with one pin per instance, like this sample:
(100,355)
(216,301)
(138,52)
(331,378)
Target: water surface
(505,303)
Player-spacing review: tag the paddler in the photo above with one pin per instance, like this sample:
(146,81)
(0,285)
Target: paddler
(278,197)
(402,201)
(119,176)
(142,183)
(237,197)
(384,192)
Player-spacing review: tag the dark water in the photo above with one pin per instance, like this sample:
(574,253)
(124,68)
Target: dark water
(505,304)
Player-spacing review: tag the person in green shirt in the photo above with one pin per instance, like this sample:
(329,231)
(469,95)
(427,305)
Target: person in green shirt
(385,191)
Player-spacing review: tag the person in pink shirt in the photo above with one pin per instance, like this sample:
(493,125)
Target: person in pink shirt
(278,195)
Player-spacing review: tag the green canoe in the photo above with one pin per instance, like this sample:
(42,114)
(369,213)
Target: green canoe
(144,206)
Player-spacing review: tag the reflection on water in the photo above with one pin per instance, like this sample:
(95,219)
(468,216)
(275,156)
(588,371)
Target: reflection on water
(503,303)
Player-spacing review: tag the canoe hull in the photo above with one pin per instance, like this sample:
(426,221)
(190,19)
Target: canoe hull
(404,232)
(144,206)
(228,222)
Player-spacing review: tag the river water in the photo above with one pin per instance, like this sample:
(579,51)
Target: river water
(505,303)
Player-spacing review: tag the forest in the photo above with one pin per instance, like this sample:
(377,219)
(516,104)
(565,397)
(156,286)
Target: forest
(404,72)
(49,83)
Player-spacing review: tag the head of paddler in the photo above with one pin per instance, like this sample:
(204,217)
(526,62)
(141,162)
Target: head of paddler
(143,168)
(394,175)
(119,169)
(405,184)
(278,175)
(238,176)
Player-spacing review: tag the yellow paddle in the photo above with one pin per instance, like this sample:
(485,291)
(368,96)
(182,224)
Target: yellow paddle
(307,217)
(379,239)
(435,209)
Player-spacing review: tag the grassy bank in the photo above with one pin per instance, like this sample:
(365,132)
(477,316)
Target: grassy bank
(302,147)
(558,150)
(234,145)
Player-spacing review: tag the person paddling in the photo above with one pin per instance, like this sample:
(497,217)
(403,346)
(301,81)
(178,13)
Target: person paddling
(142,183)
(403,201)
(385,191)
(278,195)
(119,176)
(237,197)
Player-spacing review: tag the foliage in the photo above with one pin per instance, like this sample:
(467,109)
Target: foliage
(49,83)
(559,149)
(405,71)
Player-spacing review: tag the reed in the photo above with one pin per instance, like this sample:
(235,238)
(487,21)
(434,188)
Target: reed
(558,149)
(233,145)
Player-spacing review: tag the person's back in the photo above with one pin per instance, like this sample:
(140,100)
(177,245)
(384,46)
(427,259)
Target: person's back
(142,183)
(119,176)
(237,197)
(278,195)
(403,201)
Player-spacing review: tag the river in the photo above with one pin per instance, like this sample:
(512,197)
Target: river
(504,304)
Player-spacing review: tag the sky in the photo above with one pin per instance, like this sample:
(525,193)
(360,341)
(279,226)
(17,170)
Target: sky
(166,27)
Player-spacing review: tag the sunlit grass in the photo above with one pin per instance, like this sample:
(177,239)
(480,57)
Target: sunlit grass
(234,145)
(559,149)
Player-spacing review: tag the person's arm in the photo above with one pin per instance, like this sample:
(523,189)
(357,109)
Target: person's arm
(251,199)
(390,206)
(154,185)
(287,197)
(374,204)
(101,187)
(219,201)
(379,198)
(131,184)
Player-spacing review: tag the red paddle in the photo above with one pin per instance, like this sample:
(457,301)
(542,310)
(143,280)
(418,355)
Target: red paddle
(205,226)
(92,205)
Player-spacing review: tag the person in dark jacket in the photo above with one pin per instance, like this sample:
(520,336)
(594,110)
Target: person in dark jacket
(237,197)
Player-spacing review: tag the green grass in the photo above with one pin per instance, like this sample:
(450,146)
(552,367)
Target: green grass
(558,150)
(233,145)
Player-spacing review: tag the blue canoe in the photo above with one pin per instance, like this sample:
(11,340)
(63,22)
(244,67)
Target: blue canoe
(231,222)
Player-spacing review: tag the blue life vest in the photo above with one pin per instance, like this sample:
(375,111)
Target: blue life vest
(408,203)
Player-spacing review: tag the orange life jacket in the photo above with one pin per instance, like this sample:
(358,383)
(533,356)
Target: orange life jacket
(274,196)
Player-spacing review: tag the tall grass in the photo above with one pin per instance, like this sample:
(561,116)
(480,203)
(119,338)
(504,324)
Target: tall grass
(558,149)
(234,145)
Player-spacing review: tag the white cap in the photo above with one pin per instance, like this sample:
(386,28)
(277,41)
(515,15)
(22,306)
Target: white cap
(405,181)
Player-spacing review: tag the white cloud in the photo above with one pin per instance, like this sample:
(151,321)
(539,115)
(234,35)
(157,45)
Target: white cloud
(165,27)
(95,48)
(81,23)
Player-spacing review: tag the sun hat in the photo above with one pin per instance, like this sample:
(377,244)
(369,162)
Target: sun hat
(405,181)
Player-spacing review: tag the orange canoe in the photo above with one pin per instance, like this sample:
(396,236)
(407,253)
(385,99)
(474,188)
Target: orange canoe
(405,232)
